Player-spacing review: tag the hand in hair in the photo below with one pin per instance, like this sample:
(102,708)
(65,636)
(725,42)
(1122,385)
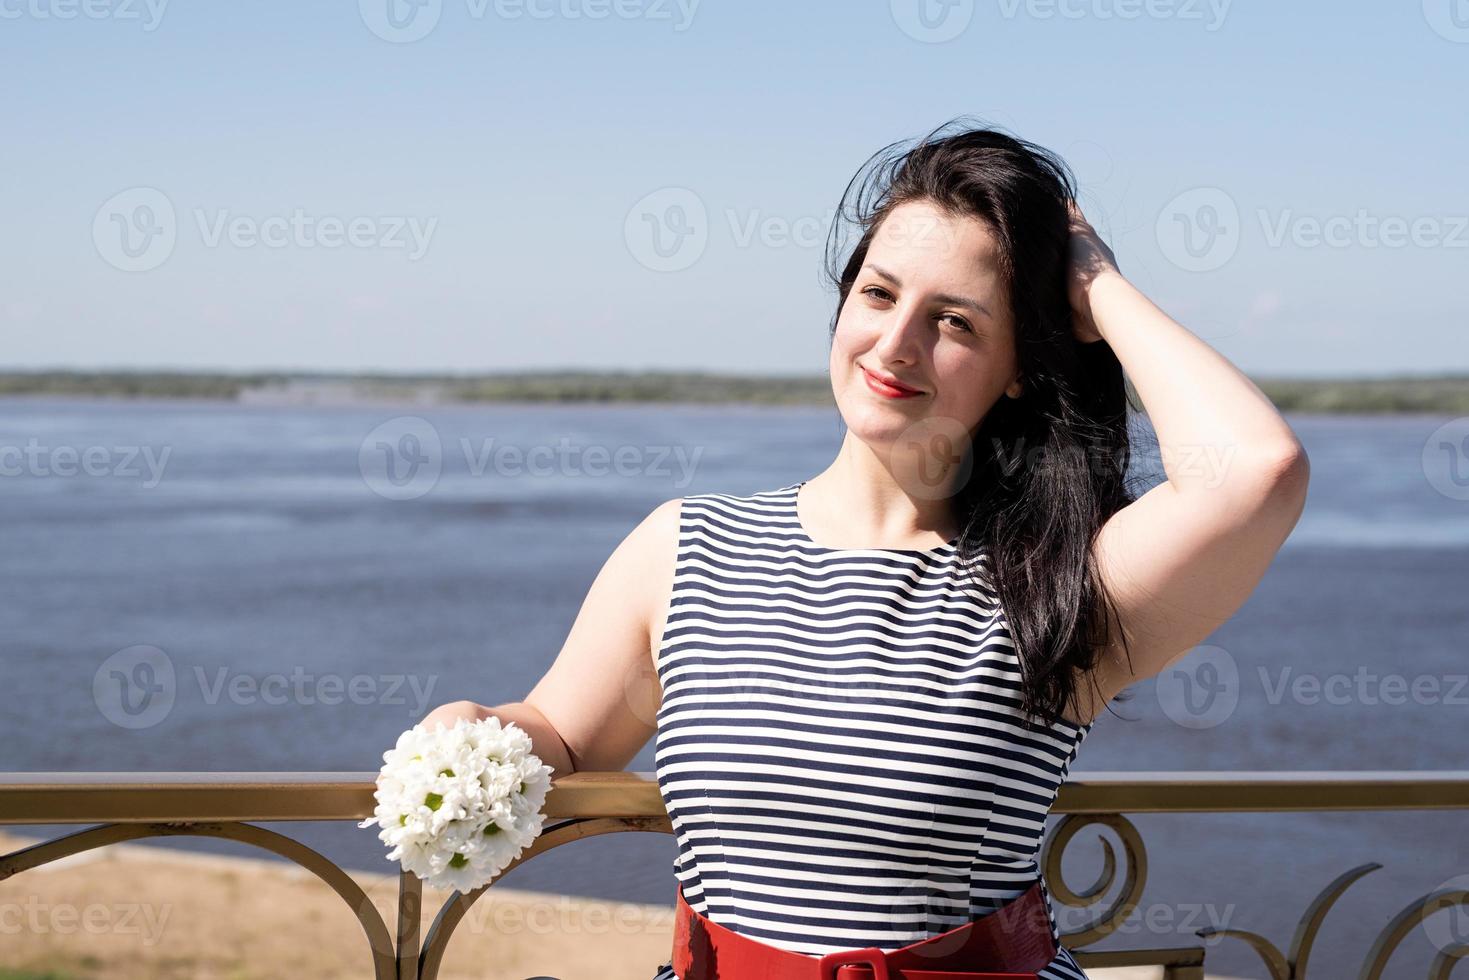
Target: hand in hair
(1089,258)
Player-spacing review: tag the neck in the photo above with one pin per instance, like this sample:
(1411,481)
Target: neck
(900,497)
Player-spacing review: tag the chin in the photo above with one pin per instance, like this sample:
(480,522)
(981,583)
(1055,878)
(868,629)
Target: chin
(873,420)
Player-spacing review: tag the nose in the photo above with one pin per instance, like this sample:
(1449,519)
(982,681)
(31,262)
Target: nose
(902,336)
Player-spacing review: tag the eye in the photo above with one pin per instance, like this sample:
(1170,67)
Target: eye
(955,318)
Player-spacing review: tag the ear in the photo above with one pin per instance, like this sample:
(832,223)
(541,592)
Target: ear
(1015,390)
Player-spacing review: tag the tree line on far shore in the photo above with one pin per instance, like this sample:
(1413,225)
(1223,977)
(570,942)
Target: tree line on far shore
(1387,394)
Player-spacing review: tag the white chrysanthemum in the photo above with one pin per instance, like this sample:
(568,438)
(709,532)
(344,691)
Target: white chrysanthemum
(456,805)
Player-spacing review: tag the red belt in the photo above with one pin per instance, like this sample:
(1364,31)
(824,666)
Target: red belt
(1010,943)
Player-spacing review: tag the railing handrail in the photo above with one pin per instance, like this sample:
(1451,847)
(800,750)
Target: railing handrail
(139,805)
(152,797)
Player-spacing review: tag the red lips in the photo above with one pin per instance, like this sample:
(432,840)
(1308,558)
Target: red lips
(885,384)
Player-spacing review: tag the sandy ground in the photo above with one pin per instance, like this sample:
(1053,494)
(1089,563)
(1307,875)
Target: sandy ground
(135,912)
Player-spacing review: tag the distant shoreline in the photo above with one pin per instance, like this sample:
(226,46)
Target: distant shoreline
(1445,393)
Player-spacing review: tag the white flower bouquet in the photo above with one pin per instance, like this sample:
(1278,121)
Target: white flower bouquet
(456,805)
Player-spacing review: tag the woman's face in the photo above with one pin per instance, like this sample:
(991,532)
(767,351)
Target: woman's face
(928,309)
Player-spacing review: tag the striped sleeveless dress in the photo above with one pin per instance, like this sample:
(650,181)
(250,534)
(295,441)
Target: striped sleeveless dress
(839,745)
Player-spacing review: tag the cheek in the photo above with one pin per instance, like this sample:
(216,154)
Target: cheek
(856,330)
(969,382)
(845,341)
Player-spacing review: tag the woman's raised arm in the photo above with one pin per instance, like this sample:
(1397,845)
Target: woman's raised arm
(1183,557)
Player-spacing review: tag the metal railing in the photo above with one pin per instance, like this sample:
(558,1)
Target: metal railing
(133,806)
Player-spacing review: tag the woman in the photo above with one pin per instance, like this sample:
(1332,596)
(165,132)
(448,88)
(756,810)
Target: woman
(867,687)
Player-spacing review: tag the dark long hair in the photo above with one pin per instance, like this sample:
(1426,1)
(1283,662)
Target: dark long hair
(1048,468)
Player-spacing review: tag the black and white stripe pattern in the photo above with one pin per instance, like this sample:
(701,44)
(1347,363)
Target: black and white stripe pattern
(839,746)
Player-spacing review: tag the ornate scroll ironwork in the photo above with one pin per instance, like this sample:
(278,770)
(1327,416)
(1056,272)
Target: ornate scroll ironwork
(1292,965)
(143,805)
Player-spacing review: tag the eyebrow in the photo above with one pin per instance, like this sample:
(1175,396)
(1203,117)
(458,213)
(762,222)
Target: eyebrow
(946,298)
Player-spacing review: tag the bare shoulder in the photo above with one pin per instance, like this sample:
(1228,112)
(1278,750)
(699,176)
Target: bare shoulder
(658,542)
(662,523)
(655,539)
(645,565)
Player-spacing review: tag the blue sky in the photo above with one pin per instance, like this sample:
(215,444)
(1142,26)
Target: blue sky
(308,186)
